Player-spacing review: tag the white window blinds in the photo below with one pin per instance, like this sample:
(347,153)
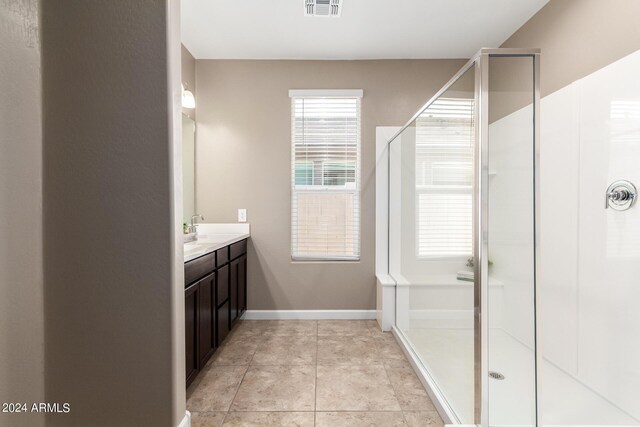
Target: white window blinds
(444,179)
(325,175)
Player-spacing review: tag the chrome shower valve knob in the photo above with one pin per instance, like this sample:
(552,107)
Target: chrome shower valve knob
(621,195)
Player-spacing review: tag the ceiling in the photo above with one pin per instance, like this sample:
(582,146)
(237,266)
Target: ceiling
(367,29)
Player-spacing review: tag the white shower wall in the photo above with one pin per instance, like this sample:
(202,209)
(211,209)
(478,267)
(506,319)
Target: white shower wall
(510,237)
(608,285)
(590,257)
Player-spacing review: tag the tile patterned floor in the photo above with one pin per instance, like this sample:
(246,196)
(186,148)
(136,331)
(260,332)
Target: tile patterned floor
(309,373)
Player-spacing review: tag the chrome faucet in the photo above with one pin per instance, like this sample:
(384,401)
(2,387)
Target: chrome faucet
(192,227)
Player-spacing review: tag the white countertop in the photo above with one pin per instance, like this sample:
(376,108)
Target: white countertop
(212,237)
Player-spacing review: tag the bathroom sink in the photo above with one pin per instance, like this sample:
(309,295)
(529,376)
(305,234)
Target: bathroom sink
(205,245)
(211,240)
(193,248)
(215,238)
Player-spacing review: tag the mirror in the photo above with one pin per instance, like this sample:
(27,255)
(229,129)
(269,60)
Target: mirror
(188,167)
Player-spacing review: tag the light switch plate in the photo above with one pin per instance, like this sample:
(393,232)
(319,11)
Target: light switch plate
(242,215)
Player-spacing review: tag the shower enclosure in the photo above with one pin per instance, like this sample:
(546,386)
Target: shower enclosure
(462,192)
(509,274)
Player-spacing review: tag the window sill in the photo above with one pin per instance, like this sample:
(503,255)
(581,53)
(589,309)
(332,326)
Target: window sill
(325,261)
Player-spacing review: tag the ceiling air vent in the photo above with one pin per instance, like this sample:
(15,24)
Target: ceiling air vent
(322,8)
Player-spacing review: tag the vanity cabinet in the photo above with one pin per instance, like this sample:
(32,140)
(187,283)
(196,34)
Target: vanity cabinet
(215,298)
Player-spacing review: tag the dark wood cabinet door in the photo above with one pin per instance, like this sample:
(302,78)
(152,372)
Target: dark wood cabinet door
(233,290)
(191,332)
(222,287)
(206,318)
(242,285)
(223,322)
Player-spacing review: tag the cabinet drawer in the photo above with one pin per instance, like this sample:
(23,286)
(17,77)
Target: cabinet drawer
(222,292)
(238,248)
(199,267)
(222,256)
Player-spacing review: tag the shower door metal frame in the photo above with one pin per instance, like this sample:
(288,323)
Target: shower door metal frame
(480,241)
(481,226)
(536,231)
(480,62)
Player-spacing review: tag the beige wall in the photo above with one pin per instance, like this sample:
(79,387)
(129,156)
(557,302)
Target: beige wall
(578,37)
(188,65)
(21,289)
(244,154)
(114,290)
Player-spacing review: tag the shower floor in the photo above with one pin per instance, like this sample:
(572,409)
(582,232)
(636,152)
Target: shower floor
(449,356)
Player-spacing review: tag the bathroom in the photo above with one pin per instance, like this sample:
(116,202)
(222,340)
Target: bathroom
(329,212)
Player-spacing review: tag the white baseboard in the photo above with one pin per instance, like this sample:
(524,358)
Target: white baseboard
(309,314)
(186,421)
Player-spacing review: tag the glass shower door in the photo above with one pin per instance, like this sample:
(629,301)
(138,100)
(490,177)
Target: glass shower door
(431,240)
(462,240)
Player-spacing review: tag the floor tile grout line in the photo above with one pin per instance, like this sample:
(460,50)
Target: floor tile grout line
(393,387)
(240,383)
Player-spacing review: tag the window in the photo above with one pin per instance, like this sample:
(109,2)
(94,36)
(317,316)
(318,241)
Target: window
(325,175)
(444,179)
